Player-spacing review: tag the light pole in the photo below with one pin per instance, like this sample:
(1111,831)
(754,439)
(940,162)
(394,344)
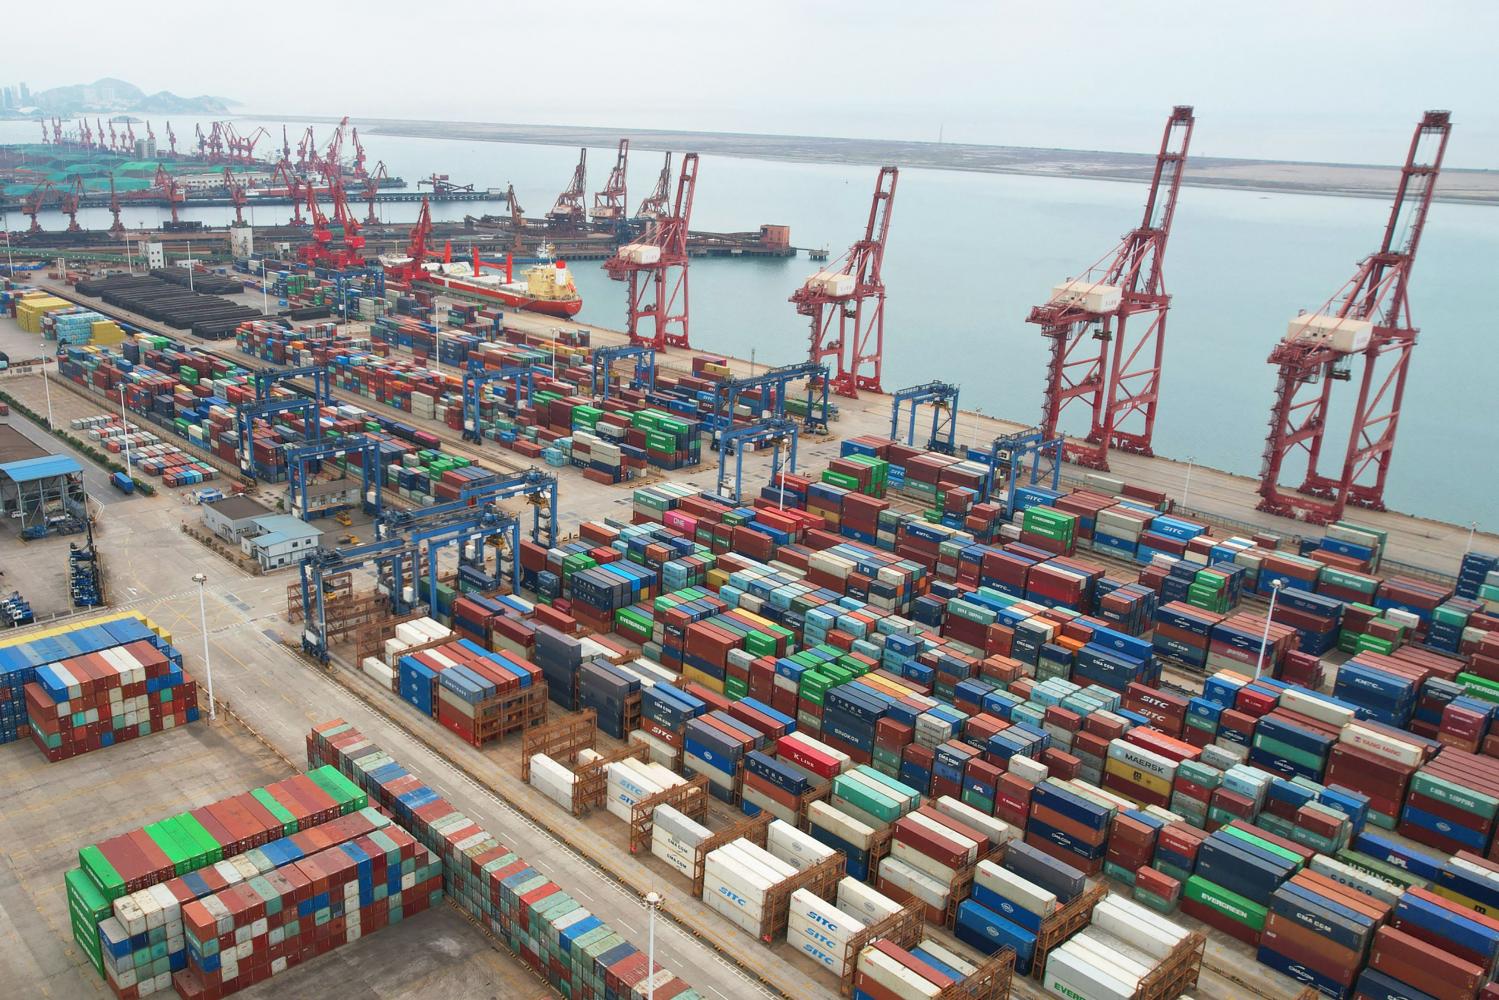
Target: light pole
(190,268)
(47,391)
(653,901)
(1472,527)
(1187,486)
(202,580)
(10,261)
(1259,662)
(124,425)
(265,295)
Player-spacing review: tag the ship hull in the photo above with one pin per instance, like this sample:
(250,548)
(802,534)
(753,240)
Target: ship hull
(564,308)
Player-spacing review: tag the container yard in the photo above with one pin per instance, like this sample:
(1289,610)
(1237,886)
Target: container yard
(568,660)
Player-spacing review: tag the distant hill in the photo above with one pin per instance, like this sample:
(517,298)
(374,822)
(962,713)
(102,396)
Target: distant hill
(111,96)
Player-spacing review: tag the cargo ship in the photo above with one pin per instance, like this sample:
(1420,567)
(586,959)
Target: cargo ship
(544,288)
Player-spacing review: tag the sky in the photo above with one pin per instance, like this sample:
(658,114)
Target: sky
(1332,80)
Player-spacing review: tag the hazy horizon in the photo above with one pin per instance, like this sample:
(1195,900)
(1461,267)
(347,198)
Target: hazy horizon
(1337,81)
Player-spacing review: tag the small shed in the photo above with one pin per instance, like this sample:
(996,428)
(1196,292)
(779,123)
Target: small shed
(231,517)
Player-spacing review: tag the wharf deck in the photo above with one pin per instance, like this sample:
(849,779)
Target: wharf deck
(1226,499)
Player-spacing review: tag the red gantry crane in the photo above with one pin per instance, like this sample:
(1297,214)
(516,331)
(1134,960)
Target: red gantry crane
(372,191)
(237,196)
(654,205)
(610,204)
(569,210)
(35,201)
(658,261)
(352,252)
(417,248)
(1368,316)
(1102,354)
(847,303)
(70,200)
(320,248)
(170,189)
(171,139)
(116,228)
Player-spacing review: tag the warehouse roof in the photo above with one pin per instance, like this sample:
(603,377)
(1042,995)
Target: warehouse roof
(47,467)
(280,528)
(237,508)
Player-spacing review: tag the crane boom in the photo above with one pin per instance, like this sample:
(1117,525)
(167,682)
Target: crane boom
(569,209)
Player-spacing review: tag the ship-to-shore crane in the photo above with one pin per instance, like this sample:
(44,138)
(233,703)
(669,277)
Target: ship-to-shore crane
(1368,317)
(846,302)
(1108,328)
(656,268)
(569,210)
(610,204)
(655,204)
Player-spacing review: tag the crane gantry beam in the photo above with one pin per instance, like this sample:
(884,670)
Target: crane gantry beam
(1368,317)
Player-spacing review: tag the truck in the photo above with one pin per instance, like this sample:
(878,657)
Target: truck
(122,482)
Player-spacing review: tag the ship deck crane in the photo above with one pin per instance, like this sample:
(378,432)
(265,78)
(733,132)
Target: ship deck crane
(1369,317)
(654,206)
(1097,354)
(116,228)
(657,263)
(237,196)
(847,304)
(170,189)
(610,204)
(569,210)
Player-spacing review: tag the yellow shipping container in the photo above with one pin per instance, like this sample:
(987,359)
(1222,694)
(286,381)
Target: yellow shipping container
(693,674)
(31,309)
(1154,784)
(106,332)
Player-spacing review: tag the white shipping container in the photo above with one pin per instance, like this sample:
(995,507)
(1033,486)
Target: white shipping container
(758,855)
(949,957)
(1137,926)
(828,282)
(863,903)
(816,916)
(895,977)
(1023,892)
(763,801)
(1070,973)
(930,866)
(1142,759)
(795,848)
(997,830)
(841,824)
(680,825)
(829,957)
(726,907)
(918,883)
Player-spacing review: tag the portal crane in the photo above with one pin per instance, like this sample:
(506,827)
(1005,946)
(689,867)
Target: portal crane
(293,181)
(114,140)
(1368,316)
(655,204)
(128,139)
(116,228)
(1097,354)
(417,248)
(34,202)
(85,134)
(237,196)
(352,254)
(320,249)
(332,164)
(307,155)
(242,147)
(847,303)
(569,210)
(171,139)
(358,167)
(517,220)
(609,205)
(372,191)
(660,254)
(70,200)
(170,189)
(150,133)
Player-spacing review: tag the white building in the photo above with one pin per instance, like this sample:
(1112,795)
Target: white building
(279,540)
